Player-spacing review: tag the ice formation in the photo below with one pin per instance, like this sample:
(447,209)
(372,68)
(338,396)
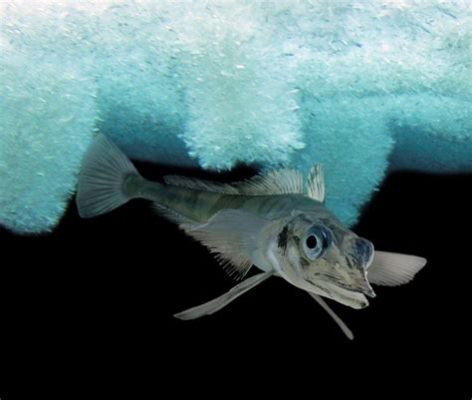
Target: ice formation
(362,86)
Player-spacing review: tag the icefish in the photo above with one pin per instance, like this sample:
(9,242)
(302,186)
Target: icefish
(277,222)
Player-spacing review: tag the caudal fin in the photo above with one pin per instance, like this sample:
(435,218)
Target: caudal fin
(104,169)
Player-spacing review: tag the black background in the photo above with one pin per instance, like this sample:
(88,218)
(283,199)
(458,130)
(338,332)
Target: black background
(92,303)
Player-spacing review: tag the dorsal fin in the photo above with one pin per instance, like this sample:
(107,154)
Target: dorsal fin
(315,183)
(282,181)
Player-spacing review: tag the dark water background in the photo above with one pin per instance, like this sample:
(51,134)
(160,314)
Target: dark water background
(92,303)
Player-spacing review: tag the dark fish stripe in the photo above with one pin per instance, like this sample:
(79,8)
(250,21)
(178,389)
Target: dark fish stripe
(282,238)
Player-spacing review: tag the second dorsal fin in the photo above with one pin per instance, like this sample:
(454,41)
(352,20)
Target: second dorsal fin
(315,183)
(282,181)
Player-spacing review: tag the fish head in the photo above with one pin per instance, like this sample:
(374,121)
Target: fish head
(315,252)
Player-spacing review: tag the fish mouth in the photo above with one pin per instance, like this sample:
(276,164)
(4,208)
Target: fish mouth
(362,286)
(344,295)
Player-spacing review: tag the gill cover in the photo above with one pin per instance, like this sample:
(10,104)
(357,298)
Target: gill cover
(315,253)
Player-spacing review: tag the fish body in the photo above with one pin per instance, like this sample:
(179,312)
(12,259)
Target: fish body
(200,205)
(277,222)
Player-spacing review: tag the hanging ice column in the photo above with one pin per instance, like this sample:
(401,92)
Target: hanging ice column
(360,86)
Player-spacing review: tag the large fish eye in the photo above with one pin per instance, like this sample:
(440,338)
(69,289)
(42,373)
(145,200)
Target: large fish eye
(315,242)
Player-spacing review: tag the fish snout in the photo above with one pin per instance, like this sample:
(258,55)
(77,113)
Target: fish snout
(361,284)
(363,252)
(367,289)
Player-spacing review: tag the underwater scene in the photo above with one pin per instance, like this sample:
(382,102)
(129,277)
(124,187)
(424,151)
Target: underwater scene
(206,196)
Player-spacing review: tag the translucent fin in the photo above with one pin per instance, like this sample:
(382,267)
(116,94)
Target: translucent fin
(393,269)
(222,301)
(333,315)
(282,181)
(100,186)
(232,234)
(200,184)
(315,183)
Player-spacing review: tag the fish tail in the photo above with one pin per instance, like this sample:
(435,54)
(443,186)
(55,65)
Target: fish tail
(107,179)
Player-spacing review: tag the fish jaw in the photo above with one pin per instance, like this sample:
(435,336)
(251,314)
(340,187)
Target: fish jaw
(347,297)
(344,296)
(333,278)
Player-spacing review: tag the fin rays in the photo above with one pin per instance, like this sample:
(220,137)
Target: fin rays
(232,234)
(217,304)
(100,186)
(282,181)
(393,269)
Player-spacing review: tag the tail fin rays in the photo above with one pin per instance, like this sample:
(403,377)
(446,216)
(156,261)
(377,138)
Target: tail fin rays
(104,170)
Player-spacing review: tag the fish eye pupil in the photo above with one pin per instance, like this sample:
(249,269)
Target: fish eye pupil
(316,241)
(311,241)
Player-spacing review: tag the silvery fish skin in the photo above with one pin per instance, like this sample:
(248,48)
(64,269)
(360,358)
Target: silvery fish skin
(285,223)
(277,222)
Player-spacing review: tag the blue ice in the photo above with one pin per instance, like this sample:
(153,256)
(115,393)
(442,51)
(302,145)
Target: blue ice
(363,87)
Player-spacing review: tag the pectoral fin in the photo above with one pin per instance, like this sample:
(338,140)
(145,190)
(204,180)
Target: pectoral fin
(222,301)
(393,269)
(232,234)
